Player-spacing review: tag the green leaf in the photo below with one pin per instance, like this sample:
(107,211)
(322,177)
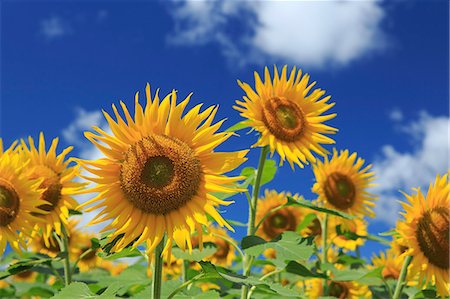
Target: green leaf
(196,254)
(290,247)
(236,223)
(26,265)
(309,205)
(108,246)
(373,277)
(216,272)
(28,289)
(126,252)
(377,239)
(306,221)
(77,290)
(73,212)
(269,170)
(238,126)
(296,268)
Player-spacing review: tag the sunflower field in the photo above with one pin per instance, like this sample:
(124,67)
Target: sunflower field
(162,188)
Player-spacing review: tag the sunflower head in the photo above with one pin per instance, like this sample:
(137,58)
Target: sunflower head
(351,235)
(288,116)
(19,199)
(342,183)
(57,184)
(160,171)
(390,262)
(225,252)
(425,232)
(336,289)
(277,222)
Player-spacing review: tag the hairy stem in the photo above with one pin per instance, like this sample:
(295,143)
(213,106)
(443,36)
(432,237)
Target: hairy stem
(248,260)
(157,270)
(401,279)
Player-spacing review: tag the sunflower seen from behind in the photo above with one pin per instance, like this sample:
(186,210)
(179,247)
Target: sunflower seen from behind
(342,183)
(160,171)
(425,232)
(275,223)
(19,200)
(58,184)
(288,115)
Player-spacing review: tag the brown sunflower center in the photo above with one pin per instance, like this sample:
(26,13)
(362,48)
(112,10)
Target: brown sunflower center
(51,185)
(279,222)
(315,228)
(283,118)
(9,203)
(160,174)
(340,190)
(24,274)
(433,236)
(90,255)
(338,290)
(223,248)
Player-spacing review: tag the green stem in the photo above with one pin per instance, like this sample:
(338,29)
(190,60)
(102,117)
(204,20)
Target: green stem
(184,273)
(248,260)
(185,284)
(324,251)
(157,270)
(274,272)
(401,279)
(65,250)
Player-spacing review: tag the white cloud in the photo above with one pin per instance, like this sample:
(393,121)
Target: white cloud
(310,33)
(54,27)
(74,135)
(396,115)
(395,170)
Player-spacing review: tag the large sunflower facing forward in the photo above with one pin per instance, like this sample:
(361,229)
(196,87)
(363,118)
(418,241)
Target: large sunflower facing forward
(288,116)
(19,198)
(425,231)
(341,184)
(160,172)
(275,223)
(58,184)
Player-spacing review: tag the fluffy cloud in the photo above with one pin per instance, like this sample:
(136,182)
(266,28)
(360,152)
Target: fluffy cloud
(397,170)
(54,27)
(73,135)
(310,33)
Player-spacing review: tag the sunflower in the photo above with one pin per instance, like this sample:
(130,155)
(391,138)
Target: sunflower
(355,227)
(25,276)
(225,252)
(87,259)
(425,230)
(391,263)
(159,172)
(58,184)
(336,289)
(50,246)
(288,116)
(342,185)
(275,223)
(19,200)
(113,268)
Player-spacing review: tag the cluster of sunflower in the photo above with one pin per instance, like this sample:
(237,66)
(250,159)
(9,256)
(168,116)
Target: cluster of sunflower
(159,189)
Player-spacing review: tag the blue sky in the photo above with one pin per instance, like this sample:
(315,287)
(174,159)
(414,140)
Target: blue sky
(385,65)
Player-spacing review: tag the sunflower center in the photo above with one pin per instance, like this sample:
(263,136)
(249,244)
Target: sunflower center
(51,185)
(283,118)
(340,191)
(91,255)
(24,274)
(223,248)
(315,228)
(9,203)
(433,236)
(279,222)
(338,290)
(160,174)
